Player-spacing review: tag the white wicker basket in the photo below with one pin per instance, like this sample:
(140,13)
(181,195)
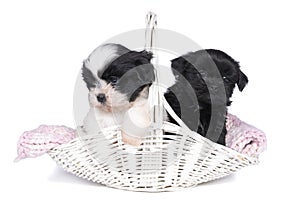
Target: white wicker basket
(163,162)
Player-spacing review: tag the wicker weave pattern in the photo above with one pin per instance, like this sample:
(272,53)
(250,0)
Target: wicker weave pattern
(195,160)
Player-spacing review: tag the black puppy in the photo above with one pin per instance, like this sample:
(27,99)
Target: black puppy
(205,81)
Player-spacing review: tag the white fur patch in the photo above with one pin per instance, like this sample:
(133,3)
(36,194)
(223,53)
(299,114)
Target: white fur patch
(102,56)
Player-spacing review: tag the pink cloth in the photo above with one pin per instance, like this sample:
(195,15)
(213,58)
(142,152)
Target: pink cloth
(240,137)
(38,141)
(244,138)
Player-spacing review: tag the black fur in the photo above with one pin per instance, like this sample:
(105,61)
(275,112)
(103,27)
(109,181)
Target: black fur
(212,74)
(130,73)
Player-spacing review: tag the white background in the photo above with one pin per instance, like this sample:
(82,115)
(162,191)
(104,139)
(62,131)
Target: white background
(43,43)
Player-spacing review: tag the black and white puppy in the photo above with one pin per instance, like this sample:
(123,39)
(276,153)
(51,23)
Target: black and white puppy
(205,81)
(118,80)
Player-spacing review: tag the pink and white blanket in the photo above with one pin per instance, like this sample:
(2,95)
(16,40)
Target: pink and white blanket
(39,141)
(240,137)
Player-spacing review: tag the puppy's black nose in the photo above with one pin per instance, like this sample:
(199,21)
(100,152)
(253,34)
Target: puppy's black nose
(101,98)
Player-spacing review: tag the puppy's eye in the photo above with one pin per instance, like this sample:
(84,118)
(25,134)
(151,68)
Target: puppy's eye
(226,80)
(113,79)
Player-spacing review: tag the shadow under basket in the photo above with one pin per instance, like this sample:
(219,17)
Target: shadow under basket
(176,158)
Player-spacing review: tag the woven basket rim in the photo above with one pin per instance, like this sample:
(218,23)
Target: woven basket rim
(252,159)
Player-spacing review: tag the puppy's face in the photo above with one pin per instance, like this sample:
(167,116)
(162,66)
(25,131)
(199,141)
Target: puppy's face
(106,98)
(114,86)
(229,74)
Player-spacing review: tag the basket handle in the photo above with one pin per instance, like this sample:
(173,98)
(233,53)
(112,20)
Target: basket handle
(151,23)
(155,92)
(156,97)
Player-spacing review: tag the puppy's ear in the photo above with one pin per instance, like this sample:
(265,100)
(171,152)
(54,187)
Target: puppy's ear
(144,73)
(148,55)
(88,77)
(144,57)
(243,80)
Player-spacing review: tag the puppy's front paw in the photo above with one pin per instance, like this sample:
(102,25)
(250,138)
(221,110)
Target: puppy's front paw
(136,124)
